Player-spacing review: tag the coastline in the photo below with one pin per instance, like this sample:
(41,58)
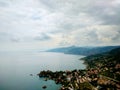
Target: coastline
(81,79)
(65,77)
(50,75)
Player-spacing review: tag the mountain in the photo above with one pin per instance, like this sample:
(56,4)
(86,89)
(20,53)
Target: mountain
(83,50)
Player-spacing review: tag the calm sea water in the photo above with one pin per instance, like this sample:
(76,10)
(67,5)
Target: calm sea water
(16,67)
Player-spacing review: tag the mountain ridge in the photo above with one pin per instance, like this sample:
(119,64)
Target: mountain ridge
(83,50)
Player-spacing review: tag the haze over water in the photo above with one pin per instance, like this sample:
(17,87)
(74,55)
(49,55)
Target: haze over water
(44,24)
(16,67)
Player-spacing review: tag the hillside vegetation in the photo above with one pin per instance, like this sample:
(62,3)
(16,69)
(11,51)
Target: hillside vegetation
(108,62)
(102,73)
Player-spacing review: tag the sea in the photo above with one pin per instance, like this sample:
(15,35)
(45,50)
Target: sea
(18,70)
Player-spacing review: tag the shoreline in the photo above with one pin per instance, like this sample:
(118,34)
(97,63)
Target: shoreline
(62,77)
(102,72)
(81,79)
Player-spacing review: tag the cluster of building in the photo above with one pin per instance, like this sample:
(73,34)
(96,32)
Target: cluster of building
(82,80)
(102,73)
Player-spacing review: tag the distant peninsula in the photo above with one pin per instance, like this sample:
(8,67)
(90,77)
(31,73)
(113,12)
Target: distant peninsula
(83,50)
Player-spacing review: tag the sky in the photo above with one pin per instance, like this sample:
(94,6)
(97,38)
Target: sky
(43,24)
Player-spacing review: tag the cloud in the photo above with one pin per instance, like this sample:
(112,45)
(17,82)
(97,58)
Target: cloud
(8,37)
(15,39)
(60,22)
(106,10)
(92,35)
(43,37)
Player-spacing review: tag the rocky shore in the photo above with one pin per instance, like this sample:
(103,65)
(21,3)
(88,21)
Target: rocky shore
(102,73)
(81,80)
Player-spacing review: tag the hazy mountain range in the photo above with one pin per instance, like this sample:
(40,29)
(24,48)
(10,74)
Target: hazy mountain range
(83,50)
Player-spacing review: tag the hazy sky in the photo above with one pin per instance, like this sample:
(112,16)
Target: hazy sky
(36,24)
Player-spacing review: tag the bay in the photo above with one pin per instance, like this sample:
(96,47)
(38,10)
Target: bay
(16,67)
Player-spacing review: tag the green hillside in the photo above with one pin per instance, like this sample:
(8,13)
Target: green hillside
(108,62)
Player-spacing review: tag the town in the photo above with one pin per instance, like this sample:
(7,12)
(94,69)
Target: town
(102,73)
